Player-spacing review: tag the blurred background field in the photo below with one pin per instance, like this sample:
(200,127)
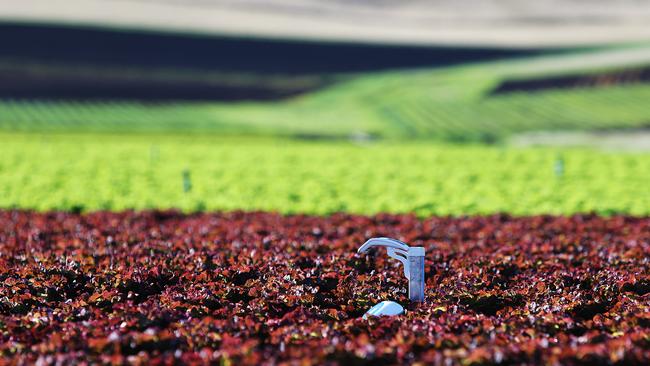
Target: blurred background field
(486,102)
(438,112)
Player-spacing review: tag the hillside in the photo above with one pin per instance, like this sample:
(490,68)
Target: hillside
(606,89)
(510,23)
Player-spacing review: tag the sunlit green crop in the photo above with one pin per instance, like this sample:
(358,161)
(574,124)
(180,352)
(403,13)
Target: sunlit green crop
(93,172)
(452,104)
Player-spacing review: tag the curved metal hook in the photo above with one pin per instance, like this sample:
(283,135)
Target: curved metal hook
(401,256)
(412,258)
(383,242)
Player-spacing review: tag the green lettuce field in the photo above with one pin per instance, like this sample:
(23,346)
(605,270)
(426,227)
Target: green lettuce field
(116,172)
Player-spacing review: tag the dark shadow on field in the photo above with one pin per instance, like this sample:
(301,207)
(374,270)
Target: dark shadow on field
(46,62)
(636,75)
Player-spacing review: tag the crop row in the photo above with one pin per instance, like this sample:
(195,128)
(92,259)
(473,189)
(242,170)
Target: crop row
(251,289)
(453,104)
(91,172)
(495,117)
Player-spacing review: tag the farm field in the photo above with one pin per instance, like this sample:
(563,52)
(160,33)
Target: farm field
(260,288)
(485,102)
(197,173)
(194,199)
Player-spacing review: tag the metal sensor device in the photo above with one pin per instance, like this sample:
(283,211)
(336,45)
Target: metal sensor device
(411,257)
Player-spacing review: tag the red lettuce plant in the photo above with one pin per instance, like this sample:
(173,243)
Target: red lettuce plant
(261,288)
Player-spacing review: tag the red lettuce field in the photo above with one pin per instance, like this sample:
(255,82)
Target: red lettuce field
(259,288)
